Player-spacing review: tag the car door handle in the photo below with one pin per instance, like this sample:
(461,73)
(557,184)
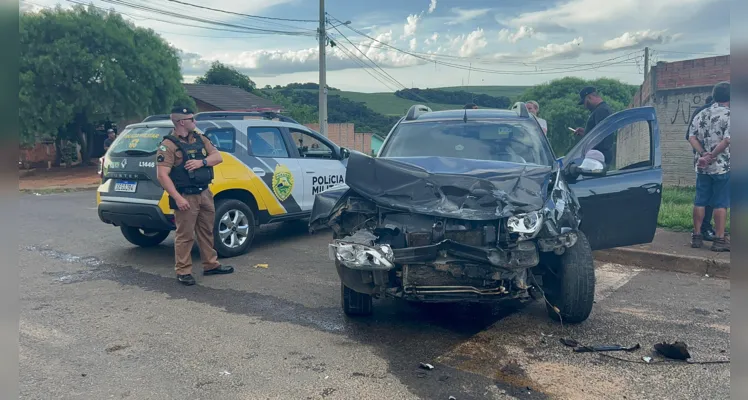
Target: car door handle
(310,172)
(258,171)
(652,188)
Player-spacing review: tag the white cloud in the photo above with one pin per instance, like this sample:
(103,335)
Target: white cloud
(630,40)
(471,44)
(524,32)
(467,15)
(572,15)
(567,50)
(431,39)
(411,25)
(432,6)
(413,44)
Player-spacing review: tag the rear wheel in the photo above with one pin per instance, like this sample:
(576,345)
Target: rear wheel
(355,303)
(144,237)
(572,290)
(234,228)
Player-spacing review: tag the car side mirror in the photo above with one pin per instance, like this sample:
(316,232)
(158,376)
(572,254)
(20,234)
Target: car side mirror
(344,153)
(587,167)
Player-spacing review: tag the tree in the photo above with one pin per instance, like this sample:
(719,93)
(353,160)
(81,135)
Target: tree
(558,105)
(81,66)
(222,74)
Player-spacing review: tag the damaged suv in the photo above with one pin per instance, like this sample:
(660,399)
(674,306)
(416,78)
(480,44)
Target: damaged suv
(473,206)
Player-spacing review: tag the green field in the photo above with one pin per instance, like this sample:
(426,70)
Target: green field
(676,209)
(388,104)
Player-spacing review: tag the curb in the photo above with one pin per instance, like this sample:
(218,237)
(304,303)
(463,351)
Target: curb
(665,262)
(55,190)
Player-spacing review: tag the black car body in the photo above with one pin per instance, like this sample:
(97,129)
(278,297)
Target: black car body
(508,220)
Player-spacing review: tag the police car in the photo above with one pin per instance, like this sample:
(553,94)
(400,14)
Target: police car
(272,169)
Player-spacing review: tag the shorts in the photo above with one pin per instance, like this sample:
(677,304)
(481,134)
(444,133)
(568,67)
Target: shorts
(712,190)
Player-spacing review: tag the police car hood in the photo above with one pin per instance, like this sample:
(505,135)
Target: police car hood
(450,187)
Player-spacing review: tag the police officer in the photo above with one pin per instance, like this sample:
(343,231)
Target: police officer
(185,168)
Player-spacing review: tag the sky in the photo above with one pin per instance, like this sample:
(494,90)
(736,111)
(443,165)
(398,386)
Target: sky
(395,44)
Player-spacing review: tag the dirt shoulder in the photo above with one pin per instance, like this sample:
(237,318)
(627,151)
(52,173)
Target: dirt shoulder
(59,179)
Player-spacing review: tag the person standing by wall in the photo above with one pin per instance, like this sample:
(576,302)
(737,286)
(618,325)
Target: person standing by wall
(533,107)
(707,231)
(709,134)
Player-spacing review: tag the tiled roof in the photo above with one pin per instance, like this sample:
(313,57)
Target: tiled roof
(227,97)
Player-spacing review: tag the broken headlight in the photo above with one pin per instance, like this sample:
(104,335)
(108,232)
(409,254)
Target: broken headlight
(359,256)
(527,225)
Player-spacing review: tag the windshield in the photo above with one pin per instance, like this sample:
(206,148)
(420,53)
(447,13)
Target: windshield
(139,140)
(511,141)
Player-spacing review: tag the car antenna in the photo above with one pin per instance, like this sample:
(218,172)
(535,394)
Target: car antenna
(464,118)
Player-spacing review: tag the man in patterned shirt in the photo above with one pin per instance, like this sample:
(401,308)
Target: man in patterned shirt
(709,135)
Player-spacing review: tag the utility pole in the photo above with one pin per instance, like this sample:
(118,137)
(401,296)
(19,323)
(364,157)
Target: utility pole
(322,71)
(646,62)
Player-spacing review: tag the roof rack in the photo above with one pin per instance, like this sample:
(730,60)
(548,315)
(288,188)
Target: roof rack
(521,109)
(238,115)
(416,111)
(157,117)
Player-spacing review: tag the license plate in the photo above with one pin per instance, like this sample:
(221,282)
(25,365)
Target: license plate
(125,186)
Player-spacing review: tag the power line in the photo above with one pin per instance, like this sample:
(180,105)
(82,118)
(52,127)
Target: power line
(244,15)
(206,21)
(486,70)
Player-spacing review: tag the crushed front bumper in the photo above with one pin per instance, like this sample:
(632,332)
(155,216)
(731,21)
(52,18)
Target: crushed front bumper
(381,257)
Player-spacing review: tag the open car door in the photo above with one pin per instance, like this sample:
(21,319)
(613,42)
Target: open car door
(619,204)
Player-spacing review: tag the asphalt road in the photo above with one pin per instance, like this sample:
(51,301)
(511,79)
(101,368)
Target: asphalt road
(102,319)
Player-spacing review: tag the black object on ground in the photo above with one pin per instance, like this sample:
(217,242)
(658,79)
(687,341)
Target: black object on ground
(675,351)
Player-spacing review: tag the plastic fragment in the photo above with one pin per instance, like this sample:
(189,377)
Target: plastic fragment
(261,266)
(427,366)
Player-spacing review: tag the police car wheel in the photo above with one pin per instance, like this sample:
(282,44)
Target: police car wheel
(143,237)
(234,228)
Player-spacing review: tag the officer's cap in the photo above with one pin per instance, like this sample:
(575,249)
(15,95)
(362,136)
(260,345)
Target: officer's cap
(181,110)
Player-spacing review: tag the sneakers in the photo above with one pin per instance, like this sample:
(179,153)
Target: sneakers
(187,280)
(222,269)
(696,240)
(721,244)
(709,235)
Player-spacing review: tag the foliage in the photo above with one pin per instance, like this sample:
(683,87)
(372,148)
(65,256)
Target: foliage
(453,97)
(222,74)
(82,65)
(676,209)
(308,85)
(305,104)
(558,105)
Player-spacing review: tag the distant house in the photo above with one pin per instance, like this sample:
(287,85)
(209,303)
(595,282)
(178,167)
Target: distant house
(227,98)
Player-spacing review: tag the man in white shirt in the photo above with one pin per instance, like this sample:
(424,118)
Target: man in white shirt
(533,107)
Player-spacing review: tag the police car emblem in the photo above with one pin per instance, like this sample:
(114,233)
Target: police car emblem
(282,182)
(205,152)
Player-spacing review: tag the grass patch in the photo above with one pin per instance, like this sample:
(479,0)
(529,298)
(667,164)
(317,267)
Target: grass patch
(676,209)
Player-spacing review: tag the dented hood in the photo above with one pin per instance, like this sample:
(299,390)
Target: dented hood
(450,187)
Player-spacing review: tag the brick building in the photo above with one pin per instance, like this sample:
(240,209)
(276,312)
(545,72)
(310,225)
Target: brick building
(227,98)
(676,90)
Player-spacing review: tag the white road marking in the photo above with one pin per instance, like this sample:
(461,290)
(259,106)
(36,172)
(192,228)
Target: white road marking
(610,277)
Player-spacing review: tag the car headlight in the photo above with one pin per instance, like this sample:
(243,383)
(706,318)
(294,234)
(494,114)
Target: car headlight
(527,224)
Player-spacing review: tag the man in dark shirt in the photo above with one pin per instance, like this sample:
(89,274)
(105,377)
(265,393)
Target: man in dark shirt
(707,232)
(599,110)
(109,140)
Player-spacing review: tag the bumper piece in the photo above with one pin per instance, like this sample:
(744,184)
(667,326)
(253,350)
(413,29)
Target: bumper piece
(146,216)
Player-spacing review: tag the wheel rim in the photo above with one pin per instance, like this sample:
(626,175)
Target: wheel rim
(233,229)
(148,233)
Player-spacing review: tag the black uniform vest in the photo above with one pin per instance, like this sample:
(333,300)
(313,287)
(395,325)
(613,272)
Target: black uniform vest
(190,182)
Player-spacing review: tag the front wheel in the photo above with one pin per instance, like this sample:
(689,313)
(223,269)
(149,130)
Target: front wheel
(234,228)
(572,288)
(143,237)
(355,303)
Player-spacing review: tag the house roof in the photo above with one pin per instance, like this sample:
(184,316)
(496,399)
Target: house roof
(227,98)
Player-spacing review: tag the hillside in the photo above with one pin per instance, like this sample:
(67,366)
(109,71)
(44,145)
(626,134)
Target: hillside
(387,103)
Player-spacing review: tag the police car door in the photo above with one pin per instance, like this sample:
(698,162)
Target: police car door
(320,163)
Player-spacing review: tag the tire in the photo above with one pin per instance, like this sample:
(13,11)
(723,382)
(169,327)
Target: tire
(143,237)
(229,212)
(574,292)
(355,303)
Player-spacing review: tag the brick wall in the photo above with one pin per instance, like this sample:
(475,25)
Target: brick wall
(344,136)
(38,155)
(688,73)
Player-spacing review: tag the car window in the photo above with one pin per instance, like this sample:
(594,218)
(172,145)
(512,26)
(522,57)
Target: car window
(266,142)
(223,138)
(139,140)
(309,147)
(511,141)
(628,148)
